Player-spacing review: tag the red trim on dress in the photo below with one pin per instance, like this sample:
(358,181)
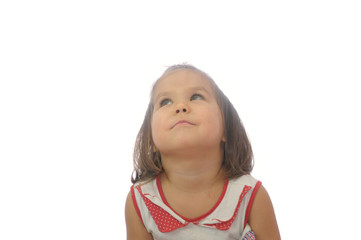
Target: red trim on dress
(164,220)
(197,219)
(135,203)
(250,203)
(225,225)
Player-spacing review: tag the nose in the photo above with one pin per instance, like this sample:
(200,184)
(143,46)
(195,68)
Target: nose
(182,108)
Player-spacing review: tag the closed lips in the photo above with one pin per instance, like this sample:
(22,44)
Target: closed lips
(182,122)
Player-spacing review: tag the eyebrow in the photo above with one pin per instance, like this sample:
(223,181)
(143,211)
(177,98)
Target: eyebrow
(191,89)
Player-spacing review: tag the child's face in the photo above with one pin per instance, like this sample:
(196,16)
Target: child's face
(186,113)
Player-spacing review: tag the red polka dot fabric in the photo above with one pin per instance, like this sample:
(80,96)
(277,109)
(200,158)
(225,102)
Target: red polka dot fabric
(164,221)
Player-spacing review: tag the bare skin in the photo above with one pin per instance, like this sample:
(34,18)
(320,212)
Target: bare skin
(184,181)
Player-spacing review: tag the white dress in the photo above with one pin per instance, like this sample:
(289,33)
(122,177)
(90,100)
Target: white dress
(226,220)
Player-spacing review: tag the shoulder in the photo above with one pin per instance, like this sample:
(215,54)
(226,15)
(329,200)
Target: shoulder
(262,218)
(135,227)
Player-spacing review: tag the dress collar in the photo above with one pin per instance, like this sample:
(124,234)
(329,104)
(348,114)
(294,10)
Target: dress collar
(221,216)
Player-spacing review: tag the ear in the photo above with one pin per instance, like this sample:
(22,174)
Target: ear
(224,139)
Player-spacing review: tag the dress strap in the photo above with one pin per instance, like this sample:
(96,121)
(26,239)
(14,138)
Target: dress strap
(135,203)
(250,203)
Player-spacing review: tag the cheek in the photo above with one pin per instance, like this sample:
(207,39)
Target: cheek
(153,127)
(156,128)
(218,124)
(156,122)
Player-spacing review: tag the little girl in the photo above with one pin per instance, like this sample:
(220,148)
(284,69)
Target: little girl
(192,163)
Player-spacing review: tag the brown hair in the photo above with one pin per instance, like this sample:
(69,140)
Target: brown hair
(238,155)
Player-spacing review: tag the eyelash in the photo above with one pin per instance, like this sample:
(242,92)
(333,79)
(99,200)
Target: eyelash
(164,101)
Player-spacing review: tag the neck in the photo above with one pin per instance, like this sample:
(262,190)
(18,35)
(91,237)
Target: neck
(193,173)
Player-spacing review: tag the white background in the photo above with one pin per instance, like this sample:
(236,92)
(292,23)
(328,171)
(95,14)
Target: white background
(75,78)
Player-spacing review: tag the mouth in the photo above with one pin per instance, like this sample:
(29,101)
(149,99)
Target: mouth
(182,123)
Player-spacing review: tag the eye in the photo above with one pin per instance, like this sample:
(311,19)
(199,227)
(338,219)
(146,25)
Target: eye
(164,102)
(197,96)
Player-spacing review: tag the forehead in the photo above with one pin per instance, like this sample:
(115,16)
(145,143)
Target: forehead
(182,78)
